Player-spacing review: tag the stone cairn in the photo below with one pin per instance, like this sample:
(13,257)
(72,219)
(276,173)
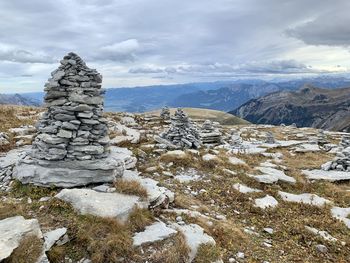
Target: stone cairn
(72,133)
(182,133)
(73,127)
(236,140)
(322,138)
(165,114)
(342,160)
(210,134)
(270,139)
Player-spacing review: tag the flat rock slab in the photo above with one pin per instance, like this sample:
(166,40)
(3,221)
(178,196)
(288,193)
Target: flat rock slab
(69,174)
(157,195)
(155,232)
(331,176)
(325,235)
(53,236)
(342,213)
(272,175)
(87,201)
(13,230)
(11,157)
(195,236)
(307,147)
(266,202)
(310,199)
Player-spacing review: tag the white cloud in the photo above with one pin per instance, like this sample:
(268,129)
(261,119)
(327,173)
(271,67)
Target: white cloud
(120,51)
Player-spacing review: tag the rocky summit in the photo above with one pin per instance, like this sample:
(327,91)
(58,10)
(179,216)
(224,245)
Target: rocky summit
(71,146)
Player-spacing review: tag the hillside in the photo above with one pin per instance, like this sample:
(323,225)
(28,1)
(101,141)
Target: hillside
(205,114)
(240,203)
(307,107)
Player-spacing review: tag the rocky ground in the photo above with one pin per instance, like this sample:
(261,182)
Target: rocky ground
(254,203)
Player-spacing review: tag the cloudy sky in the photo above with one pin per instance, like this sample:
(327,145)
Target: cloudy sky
(143,42)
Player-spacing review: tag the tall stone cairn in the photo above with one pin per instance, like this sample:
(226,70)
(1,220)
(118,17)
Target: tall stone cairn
(165,113)
(73,127)
(182,133)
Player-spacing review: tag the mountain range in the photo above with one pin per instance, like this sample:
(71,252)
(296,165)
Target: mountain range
(307,107)
(18,99)
(221,95)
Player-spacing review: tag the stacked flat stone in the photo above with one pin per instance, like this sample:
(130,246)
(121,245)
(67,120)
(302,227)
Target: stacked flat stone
(72,127)
(182,133)
(345,141)
(165,113)
(210,134)
(270,139)
(342,160)
(72,145)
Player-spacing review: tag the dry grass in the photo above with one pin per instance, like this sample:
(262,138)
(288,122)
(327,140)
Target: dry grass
(130,187)
(106,239)
(139,219)
(9,119)
(207,253)
(176,252)
(179,161)
(28,251)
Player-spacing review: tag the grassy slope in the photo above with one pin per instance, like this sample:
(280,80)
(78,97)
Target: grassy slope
(206,114)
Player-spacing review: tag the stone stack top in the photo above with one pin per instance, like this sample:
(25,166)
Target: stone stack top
(73,127)
(165,113)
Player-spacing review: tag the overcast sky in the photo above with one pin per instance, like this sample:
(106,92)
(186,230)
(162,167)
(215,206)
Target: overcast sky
(143,42)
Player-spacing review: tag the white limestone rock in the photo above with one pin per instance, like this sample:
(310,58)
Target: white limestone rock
(52,237)
(245,189)
(305,198)
(266,202)
(152,233)
(324,234)
(271,175)
(13,230)
(195,236)
(342,214)
(236,161)
(87,201)
(156,195)
(331,176)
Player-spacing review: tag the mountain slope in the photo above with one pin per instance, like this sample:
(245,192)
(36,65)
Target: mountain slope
(17,99)
(307,107)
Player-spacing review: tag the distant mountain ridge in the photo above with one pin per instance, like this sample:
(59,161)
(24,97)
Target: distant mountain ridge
(220,95)
(17,99)
(308,107)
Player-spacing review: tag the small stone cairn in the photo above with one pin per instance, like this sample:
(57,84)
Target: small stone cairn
(182,133)
(210,134)
(72,133)
(270,139)
(236,140)
(322,138)
(342,160)
(165,114)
